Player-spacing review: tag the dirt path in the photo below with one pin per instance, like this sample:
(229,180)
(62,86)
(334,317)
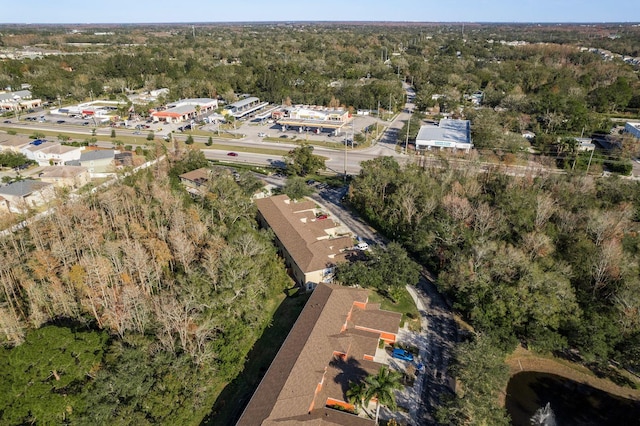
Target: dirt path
(523,360)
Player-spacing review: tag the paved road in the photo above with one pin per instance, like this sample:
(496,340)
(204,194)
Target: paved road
(442,335)
(331,198)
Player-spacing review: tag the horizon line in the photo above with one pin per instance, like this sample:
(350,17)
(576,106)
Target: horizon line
(328,22)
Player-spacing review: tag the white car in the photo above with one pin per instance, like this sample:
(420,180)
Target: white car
(362,246)
(262,135)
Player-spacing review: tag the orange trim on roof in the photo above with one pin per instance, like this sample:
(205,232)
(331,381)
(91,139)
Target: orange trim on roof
(361,305)
(336,402)
(167,114)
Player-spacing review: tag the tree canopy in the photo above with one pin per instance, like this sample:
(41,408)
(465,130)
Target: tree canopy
(301,161)
(182,286)
(385,269)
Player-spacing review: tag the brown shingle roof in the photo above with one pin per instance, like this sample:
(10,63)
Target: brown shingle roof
(198,176)
(375,319)
(36,148)
(13,142)
(59,149)
(295,226)
(62,171)
(291,391)
(326,417)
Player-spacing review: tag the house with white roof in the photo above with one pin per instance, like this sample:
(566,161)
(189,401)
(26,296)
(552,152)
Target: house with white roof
(57,154)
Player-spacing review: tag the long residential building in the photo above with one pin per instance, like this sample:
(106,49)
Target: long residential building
(333,343)
(311,247)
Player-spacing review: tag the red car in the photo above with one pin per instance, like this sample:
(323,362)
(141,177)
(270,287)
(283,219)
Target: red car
(322,217)
(232,154)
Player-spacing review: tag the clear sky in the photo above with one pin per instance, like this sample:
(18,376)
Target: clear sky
(142,11)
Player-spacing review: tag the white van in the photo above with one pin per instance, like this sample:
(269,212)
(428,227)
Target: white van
(362,246)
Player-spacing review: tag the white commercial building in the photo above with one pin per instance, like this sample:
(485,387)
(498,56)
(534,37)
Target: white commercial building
(632,128)
(185,109)
(18,101)
(454,134)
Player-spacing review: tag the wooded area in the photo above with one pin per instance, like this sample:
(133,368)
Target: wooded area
(184,288)
(161,296)
(550,261)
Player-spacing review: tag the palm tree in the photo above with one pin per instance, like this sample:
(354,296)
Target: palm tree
(381,387)
(356,394)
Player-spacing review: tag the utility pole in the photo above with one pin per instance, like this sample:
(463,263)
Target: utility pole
(406,142)
(378,121)
(345,160)
(589,165)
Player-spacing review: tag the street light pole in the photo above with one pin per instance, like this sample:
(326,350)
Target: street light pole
(345,160)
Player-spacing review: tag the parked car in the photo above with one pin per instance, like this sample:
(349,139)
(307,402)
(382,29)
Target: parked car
(402,354)
(262,135)
(362,246)
(232,154)
(322,217)
(60,122)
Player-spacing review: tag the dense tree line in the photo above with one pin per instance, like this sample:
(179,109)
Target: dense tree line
(548,260)
(550,86)
(272,62)
(182,287)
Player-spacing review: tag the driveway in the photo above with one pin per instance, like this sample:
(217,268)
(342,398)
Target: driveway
(435,341)
(331,200)
(417,403)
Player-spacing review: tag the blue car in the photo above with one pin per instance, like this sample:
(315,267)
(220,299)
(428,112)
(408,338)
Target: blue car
(402,354)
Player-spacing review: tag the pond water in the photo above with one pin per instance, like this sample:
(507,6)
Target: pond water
(572,403)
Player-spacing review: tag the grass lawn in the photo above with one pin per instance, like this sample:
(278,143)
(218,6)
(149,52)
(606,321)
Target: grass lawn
(236,395)
(403,304)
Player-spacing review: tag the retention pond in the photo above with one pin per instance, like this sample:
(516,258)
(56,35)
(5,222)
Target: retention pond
(571,403)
